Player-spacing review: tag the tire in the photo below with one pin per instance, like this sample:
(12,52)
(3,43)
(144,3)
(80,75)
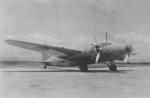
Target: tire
(113,68)
(83,68)
(45,66)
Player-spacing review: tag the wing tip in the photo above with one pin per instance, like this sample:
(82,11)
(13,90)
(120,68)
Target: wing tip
(9,41)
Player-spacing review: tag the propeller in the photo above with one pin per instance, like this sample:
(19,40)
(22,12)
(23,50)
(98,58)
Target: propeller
(99,47)
(97,57)
(128,49)
(125,59)
(99,51)
(95,40)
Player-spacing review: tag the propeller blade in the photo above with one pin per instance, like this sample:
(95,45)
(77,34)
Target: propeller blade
(95,39)
(97,57)
(126,58)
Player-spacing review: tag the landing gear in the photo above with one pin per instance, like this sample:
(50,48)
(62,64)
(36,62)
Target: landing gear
(112,67)
(45,65)
(83,68)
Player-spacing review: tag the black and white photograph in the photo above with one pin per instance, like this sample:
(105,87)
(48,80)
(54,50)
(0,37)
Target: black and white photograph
(74,48)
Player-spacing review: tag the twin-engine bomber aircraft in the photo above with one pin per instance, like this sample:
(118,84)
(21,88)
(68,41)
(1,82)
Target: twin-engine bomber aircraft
(59,56)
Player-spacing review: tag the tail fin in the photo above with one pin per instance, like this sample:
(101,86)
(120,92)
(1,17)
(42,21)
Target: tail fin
(106,37)
(106,43)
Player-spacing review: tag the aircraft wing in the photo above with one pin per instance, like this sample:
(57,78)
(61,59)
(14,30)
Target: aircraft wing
(42,48)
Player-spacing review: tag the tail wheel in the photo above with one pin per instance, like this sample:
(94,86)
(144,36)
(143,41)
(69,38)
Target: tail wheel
(83,68)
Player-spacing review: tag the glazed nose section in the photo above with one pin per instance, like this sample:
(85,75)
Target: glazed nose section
(129,49)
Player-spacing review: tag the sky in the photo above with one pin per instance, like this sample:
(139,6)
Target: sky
(72,23)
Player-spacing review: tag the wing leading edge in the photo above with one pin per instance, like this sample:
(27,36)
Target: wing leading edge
(42,48)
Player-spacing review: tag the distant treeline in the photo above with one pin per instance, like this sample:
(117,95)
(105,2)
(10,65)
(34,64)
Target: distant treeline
(17,62)
(135,63)
(35,62)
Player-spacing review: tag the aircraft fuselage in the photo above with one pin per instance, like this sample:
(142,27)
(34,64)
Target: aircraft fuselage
(109,53)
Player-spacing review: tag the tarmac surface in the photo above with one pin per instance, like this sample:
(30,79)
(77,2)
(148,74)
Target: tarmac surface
(35,82)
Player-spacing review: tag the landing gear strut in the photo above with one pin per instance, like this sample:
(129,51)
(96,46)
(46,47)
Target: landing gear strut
(83,68)
(112,67)
(45,65)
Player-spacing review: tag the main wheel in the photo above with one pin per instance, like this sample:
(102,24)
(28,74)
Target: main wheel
(83,68)
(113,68)
(45,66)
